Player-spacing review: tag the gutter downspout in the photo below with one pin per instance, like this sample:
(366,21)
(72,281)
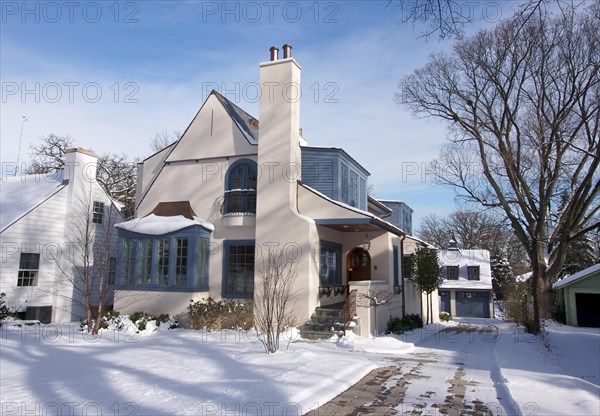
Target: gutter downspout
(402,274)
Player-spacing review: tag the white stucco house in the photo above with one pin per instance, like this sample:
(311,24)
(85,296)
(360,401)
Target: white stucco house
(467,287)
(210,206)
(44,222)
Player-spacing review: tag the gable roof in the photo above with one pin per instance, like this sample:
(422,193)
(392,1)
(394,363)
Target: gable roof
(576,276)
(247,124)
(19,195)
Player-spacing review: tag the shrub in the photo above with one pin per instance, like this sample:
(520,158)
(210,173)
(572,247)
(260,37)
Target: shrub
(3,308)
(408,323)
(223,314)
(445,316)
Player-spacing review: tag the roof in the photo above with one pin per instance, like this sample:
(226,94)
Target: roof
(170,209)
(577,276)
(369,218)
(337,150)
(247,123)
(21,194)
(158,225)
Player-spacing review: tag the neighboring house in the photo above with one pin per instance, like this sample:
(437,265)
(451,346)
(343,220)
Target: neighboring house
(45,222)
(467,287)
(579,295)
(209,207)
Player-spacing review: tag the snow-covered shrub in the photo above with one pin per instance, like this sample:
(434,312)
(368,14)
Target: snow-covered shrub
(135,323)
(445,316)
(223,314)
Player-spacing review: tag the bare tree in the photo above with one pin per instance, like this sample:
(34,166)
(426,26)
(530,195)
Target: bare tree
(115,173)
(523,104)
(163,139)
(274,297)
(49,155)
(90,263)
(374,298)
(449,18)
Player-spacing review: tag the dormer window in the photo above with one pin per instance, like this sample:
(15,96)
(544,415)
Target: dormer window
(240,188)
(473,272)
(452,272)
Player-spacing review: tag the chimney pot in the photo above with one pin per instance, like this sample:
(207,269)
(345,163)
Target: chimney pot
(287,51)
(274,53)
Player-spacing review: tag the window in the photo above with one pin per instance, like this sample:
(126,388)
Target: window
(145,265)
(344,183)
(353,189)
(396,269)
(473,272)
(29,265)
(129,260)
(112,270)
(238,269)
(97,212)
(162,259)
(181,250)
(175,262)
(330,264)
(203,263)
(407,266)
(363,194)
(452,272)
(240,188)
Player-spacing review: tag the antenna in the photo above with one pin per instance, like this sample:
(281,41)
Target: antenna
(20,140)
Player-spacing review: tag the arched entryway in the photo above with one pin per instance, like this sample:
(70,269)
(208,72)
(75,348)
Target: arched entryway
(359,265)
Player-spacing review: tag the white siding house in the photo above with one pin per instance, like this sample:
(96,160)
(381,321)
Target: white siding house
(41,236)
(467,287)
(231,188)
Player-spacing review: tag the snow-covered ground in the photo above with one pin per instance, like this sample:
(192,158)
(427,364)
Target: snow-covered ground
(55,369)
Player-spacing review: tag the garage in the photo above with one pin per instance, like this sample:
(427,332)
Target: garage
(578,296)
(587,306)
(473,304)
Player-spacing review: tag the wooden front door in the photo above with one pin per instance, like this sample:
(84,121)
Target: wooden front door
(359,265)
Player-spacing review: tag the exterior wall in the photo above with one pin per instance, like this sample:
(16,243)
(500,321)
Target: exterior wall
(401,216)
(322,170)
(40,231)
(590,284)
(277,218)
(53,229)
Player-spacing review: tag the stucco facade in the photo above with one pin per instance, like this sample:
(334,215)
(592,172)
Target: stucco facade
(241,181)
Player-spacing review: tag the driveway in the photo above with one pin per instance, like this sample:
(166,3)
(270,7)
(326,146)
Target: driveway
(452,371)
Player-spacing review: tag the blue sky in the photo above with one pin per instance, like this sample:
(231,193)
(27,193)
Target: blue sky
(112,74)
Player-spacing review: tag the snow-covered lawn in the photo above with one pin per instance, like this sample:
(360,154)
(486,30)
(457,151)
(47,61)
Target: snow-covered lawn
(55,369)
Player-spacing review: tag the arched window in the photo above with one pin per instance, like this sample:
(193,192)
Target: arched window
(240,188)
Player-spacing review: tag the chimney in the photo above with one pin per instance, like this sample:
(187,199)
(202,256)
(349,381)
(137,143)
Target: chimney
(80,165)
(274,53)
(287,51)
(279,133)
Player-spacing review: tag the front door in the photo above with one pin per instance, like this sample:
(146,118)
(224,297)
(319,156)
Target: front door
(359,265)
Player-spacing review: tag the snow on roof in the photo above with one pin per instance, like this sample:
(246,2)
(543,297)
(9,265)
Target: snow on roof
(20,194)
(466,284)
(579,275)
(157,225)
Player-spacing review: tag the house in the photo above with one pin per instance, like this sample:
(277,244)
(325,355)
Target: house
(467,287)
(46,222)
(213,206)
(579,295)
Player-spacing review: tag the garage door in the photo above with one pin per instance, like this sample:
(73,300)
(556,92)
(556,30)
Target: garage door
(588,309)
(473,304)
